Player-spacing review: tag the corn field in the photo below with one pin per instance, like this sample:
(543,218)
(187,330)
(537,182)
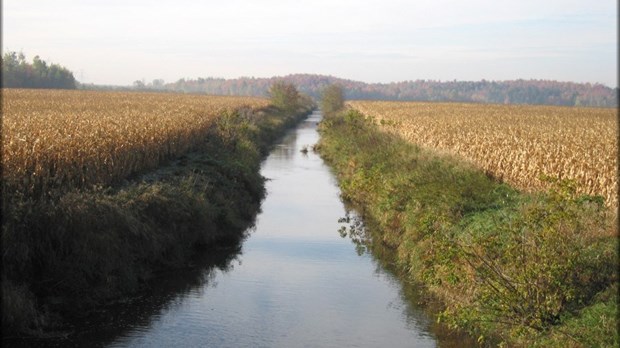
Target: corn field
(517,144)
(76,139)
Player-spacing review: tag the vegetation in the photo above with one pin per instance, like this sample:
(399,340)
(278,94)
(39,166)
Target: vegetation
(508,266)
(284,95)
(517,144)
(56,141)
(138,183)
(496,92)
(18,73)
(332,99)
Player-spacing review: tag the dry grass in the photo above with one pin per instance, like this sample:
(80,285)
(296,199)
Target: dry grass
(518,144)
(65,139)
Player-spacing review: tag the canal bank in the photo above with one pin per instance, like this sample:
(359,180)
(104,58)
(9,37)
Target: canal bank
(71,253)
(523,269)
(294,282)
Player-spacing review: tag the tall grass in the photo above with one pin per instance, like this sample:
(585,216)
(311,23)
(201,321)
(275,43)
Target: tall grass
(517,144)
(506,264)
(104,228)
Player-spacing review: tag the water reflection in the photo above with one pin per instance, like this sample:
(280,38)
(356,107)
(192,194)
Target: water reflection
(293,283)
(354,228)
(418,307)
(282,150)
(165,292)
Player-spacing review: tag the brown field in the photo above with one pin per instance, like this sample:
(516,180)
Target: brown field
(517,144)
(54,138)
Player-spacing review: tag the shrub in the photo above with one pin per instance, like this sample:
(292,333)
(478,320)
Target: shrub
(506,264)
(284,96)
(332,99)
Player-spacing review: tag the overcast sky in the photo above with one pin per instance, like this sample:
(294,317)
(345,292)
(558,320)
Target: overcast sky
(120,41)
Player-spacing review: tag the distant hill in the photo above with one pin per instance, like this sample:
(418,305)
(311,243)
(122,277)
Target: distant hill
(544,92)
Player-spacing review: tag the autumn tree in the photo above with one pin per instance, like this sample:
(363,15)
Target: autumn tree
(332,99)
(284,96)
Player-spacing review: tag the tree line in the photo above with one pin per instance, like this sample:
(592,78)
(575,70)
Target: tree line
(542,92)
(19,73)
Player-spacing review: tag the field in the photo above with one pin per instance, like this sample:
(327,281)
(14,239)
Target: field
(526,270)
(55,139)
(517,144)
(101,189)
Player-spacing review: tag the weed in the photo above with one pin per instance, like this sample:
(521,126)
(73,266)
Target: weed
(82,246)
(506,264)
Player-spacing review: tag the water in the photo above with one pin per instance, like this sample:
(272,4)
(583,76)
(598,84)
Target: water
(295,282)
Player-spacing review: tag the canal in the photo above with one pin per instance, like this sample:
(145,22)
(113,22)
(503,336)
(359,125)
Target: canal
(294,282)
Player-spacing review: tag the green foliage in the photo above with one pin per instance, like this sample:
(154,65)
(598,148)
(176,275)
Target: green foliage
(18,73)
(332,99)
(593,326)
(506,264)
(528,265)
(284,96)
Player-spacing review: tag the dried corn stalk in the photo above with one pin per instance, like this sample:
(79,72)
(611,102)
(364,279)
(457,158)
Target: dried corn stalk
(74,139)
(518,144)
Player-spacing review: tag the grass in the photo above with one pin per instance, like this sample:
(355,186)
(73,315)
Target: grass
(519,144)
(508,266)
(84,247)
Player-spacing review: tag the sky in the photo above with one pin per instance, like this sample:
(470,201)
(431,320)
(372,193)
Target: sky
(120,41)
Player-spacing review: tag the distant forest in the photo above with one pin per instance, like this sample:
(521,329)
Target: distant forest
(18,73)
(498,92)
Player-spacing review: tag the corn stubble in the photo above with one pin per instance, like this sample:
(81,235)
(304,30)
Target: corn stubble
(55,140)
(517,144)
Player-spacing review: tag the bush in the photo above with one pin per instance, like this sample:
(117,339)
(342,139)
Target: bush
(505,264)
(332,99)
(284,96)
(526,266)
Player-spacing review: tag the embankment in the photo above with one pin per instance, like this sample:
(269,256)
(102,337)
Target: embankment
(523,269)
(71,252)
